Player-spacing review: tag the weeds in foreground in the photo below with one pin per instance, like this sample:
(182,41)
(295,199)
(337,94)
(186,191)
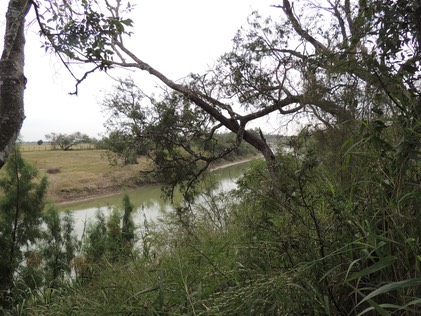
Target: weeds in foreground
(324,240)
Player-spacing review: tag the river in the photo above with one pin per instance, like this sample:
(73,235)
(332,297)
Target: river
(147,200)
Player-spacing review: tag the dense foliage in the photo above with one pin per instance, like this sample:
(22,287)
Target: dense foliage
(20,218)
(343,239)
(37,247)
(171,132)
(328,226)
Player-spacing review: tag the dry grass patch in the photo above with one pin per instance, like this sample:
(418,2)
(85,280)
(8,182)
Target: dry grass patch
(82,173)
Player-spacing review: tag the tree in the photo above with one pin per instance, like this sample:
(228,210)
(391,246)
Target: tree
(121,147)
(60,245)
(325,61)
(21,208)
(67,141)
(112,238)
(126,118)
(127,227)
(12,77)
(181,140)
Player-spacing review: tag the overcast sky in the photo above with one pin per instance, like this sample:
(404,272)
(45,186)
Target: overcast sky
(175,37)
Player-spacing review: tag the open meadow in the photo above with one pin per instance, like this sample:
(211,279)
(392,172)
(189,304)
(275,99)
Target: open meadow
(78,174)
(84,172)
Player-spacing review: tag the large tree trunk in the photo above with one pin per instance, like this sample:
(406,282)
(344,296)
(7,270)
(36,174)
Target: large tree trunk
(12,79)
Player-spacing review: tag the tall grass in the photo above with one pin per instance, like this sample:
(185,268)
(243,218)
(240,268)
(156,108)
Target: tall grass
(338,234)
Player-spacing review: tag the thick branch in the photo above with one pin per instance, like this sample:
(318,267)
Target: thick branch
(347,10)
(392,84)
(300,31)
(341,22)
(277,105)
(193,96)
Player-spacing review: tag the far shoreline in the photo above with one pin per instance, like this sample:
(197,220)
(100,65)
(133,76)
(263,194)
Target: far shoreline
(110,192)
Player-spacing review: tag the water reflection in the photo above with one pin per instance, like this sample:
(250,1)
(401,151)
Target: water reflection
(147,200)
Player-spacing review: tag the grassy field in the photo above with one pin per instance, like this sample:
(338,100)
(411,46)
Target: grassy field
(81,173)
(78,174)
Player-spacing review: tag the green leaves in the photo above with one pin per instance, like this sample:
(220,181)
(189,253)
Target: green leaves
(83,33)
(386,289)
(392,287)
(21,206)
(381,264)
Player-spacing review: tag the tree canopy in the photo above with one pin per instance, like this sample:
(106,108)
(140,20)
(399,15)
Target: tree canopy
(335,61)
(334,222)
(67,141)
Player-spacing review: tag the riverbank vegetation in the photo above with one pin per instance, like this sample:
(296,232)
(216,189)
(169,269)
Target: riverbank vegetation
(83,173)
(334,243)
(330,227)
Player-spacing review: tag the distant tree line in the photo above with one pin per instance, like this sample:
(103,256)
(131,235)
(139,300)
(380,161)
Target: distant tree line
(67,141)
(124,148)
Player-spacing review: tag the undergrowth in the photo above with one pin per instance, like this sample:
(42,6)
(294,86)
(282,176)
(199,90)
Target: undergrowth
(338,234)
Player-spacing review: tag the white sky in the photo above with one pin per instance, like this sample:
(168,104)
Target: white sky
(175,37)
